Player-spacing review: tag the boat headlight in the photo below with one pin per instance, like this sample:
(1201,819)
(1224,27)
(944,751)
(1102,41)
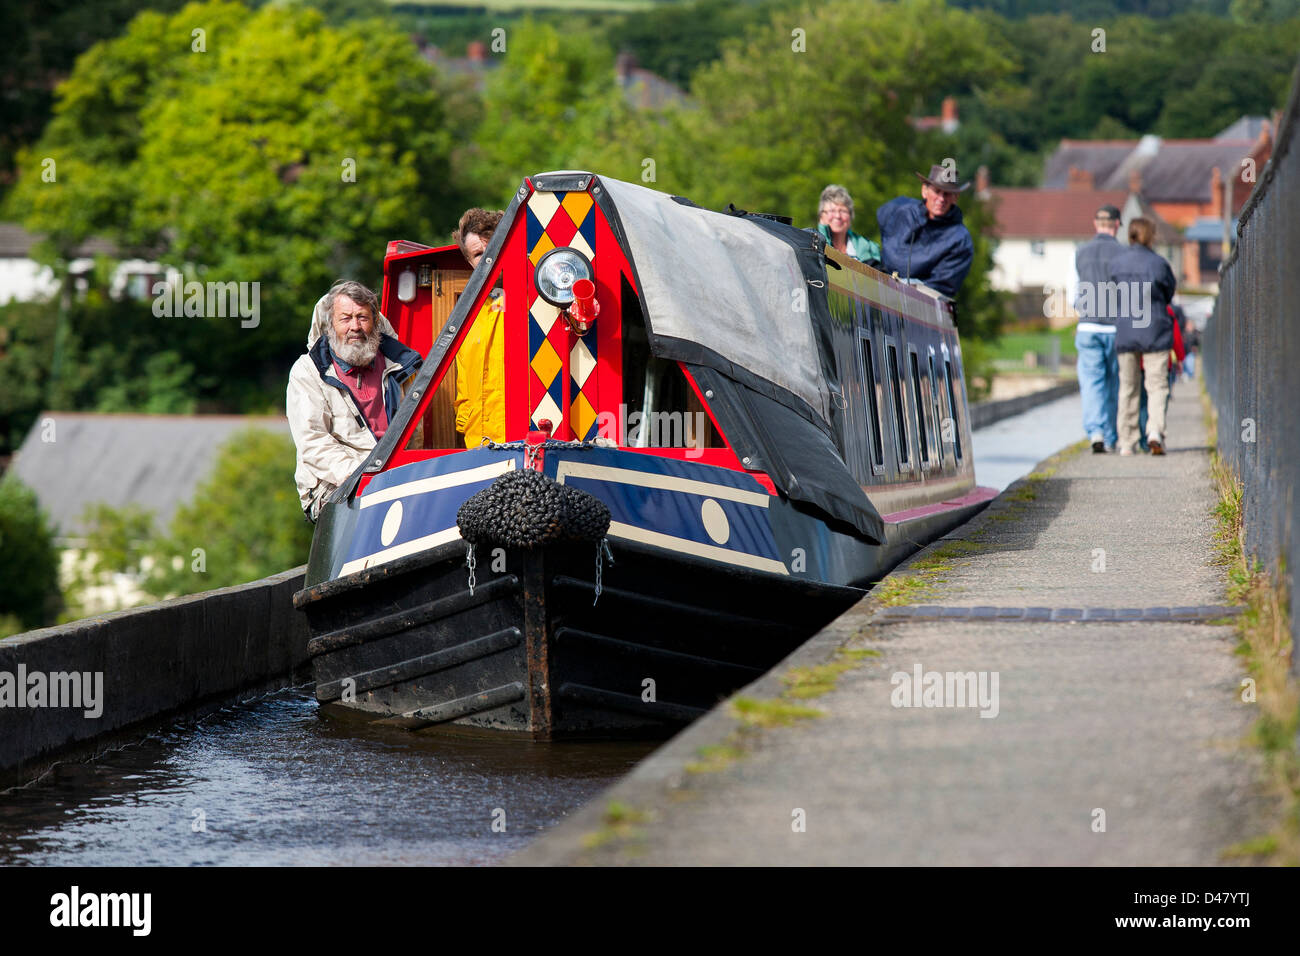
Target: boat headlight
(557,271)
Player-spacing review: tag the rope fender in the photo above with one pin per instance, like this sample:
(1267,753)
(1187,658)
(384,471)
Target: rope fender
(526,509)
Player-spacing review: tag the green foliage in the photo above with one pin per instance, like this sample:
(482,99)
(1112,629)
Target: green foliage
(245,519)
(117,538)
(29,560)
(676,39)
(26,346)
(234,163)
(553,94)
(42,40)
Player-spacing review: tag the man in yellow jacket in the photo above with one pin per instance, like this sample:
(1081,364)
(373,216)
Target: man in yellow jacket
(480,362)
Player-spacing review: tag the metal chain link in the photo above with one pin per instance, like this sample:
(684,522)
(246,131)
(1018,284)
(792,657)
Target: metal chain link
(472,563)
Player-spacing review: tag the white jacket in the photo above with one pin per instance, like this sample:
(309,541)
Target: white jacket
(330,432)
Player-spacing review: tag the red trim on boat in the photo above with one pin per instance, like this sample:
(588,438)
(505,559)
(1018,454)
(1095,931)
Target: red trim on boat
(974,497)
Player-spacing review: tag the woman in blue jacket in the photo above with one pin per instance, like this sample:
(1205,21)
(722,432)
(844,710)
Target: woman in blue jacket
(1141,286)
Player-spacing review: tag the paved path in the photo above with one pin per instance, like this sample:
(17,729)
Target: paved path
(1139,720)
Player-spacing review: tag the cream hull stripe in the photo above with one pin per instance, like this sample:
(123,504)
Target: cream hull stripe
(437,482)
(401,550)
(645,479)
(631,532)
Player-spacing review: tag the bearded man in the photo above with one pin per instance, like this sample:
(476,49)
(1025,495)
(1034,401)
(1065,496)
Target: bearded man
(345,390)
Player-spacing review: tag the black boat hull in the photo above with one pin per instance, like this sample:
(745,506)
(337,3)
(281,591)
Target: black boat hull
(533,650)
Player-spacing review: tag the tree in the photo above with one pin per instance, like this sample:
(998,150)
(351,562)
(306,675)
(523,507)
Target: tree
(250,147)
(29,561)
(244,522)
(553,96)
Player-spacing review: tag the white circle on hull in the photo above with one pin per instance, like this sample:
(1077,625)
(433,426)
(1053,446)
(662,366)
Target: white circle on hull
(392,522)
(715,521)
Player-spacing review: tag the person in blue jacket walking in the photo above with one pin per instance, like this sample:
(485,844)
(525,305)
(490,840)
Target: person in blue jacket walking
(924,239)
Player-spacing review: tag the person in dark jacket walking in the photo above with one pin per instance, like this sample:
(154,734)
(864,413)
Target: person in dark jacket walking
(1141,286)
(1094,339)
(924,239)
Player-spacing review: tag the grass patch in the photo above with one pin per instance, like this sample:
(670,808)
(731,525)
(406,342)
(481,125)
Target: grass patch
(621,823)
(899,589)
(804,683)
(772,712)
(715,757)
(1264,633)
(1262,846)
(1011,347)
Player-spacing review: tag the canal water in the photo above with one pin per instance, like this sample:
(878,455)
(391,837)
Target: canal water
(278,782)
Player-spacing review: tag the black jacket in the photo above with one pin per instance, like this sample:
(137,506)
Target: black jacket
(1140,286)
(1092,262)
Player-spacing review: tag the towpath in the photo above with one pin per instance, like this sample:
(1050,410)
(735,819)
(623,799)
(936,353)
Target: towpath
(1106,742)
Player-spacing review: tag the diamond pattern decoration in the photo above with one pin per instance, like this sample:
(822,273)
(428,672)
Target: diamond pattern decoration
(582,417)
(546,363)
(581,362)
(547,408)
(577,205)
(544,314)
(553,220)
(543,205)
(579,243)
(541,248)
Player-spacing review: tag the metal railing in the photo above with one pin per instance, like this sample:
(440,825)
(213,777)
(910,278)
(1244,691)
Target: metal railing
(1251,350)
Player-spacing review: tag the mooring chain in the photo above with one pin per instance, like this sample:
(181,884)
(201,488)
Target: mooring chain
(602,553)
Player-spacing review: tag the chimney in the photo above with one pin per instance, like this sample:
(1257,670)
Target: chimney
(949,114)
(982,182)
(1135,182)
(1079,179)
(476,51)
(1216,193)
(624,64)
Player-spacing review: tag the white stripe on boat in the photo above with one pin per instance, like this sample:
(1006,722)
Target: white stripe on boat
(437,482)
(400,550)
(631,532)
(646,479)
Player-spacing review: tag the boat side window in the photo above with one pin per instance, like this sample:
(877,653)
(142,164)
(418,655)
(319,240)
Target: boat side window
(869,380)
(952,409)
(922,424)
(900,419)
(662,409)
(937,426)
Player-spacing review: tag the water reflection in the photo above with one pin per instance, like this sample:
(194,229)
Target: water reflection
(278,782)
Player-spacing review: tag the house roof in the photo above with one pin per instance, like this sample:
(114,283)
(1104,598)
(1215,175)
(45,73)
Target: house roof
(16,243)
(156,461)
(1248,127)
(1171,170)
(1099,158)
(1180,170)
(1050,213)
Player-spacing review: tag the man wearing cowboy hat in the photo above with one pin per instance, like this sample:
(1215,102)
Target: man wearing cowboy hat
(924,239)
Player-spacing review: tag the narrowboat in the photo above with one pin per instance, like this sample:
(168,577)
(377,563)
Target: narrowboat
(718,434)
